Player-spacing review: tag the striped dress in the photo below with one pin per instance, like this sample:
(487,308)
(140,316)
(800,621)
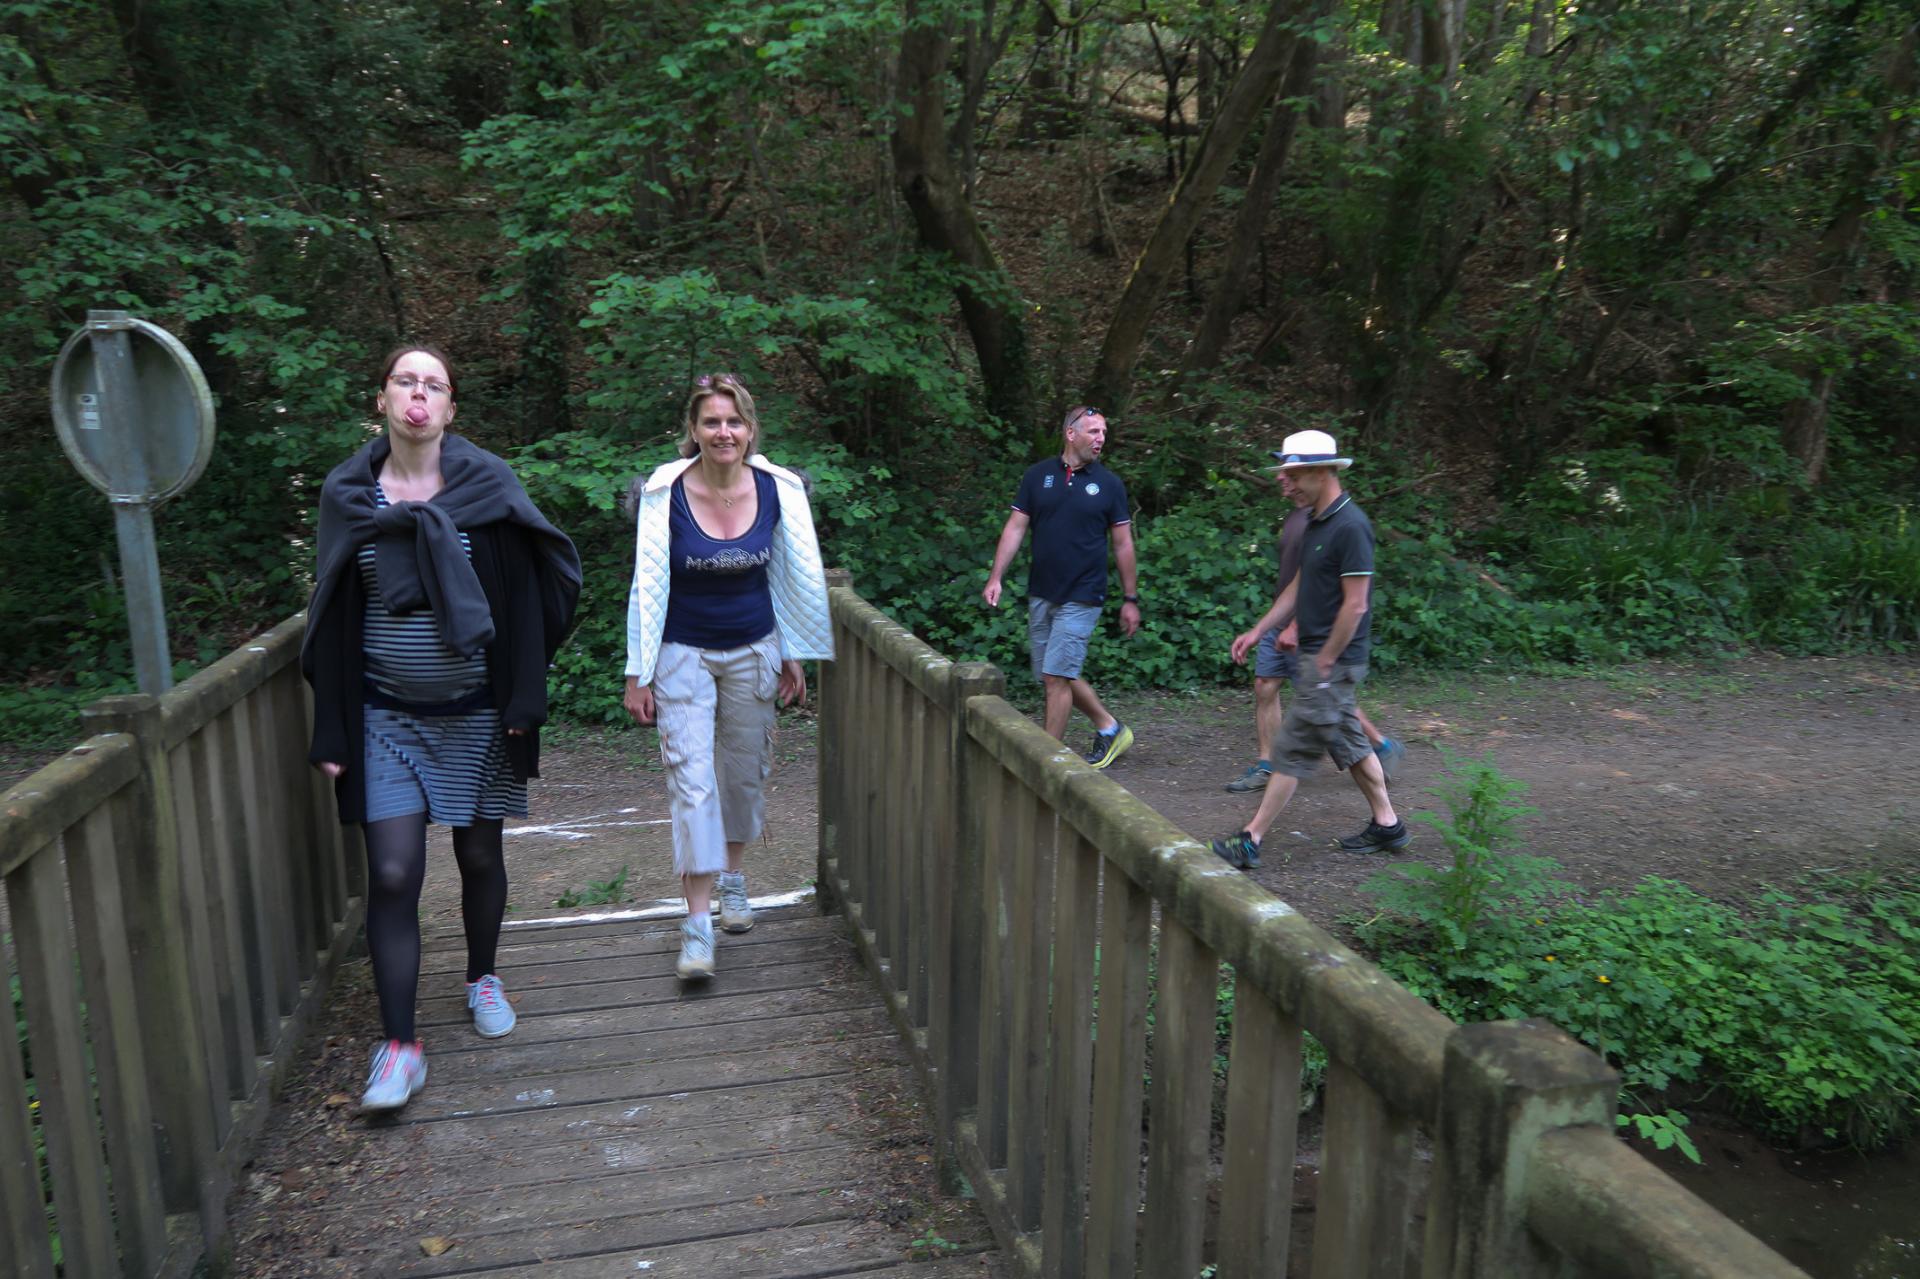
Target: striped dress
(451,767)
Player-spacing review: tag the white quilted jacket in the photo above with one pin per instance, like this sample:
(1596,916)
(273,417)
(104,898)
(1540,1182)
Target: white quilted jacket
(795,574)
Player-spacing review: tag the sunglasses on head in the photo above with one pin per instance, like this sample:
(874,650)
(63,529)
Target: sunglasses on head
(707,380)
(1084,414)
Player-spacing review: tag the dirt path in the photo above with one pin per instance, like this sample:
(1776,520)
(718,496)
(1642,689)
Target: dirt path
(1724,777)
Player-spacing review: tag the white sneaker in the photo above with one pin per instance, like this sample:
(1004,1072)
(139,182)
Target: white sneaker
(736,912)
(493,1016)
(399,1071)
(696,949)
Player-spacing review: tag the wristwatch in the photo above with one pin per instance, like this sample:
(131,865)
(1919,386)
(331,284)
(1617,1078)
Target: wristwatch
(1130,599)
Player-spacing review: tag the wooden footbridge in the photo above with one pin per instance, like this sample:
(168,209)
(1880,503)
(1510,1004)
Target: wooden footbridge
(1039,958)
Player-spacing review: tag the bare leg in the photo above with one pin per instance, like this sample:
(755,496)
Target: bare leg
(699,888)
(1088,703)
(1267,713)
(1374,735)
(1059,705)
(1272,800)
(699,891)
(1373,785)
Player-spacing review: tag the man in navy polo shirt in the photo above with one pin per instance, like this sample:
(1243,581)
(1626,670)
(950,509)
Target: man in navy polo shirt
(1077,507)
(1329,597)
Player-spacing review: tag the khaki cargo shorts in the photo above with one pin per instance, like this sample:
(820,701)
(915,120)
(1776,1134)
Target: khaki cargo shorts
(1322,719)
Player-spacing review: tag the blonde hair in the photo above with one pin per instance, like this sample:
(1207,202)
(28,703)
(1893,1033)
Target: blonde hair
(712,384)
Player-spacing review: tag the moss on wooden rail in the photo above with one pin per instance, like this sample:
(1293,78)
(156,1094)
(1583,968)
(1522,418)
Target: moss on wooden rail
(922,665)
(1605,1207)
(198,701)
(36,811)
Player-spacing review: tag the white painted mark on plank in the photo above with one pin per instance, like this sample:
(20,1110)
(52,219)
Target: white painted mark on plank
(1273,910)
(581,827)
(538,1096)
(643,1265)
(680,1096)
(635,1111)
(664,908)
(626,1154)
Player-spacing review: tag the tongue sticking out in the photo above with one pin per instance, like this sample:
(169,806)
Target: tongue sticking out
(417,415)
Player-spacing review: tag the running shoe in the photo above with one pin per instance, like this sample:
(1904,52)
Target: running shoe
(1389,753)
(1239,850)
(736,912)
(696,949)
(1110,745)
(493,1016)
(399,1071)
(1377,839)
(1255,778)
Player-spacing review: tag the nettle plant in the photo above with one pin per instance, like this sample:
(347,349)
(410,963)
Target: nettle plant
(1800,1012)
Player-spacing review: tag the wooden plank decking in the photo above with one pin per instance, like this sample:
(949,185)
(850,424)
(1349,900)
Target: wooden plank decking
(627,1126)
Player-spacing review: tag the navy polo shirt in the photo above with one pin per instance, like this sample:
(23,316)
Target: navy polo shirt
(1337,545)
(1071,512)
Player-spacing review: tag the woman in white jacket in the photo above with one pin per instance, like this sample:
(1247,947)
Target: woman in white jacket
(728,597)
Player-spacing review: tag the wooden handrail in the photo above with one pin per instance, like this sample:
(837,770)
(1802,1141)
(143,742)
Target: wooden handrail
(985,891)
(182,877)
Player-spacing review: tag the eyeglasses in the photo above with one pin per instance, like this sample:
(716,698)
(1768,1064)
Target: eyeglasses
(406,382)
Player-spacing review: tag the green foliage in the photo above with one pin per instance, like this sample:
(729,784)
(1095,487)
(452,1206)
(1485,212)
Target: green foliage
(597,892)
(930,1245)
(1665,1131)
(1803,1013)
(1481,821)
(1313,1054)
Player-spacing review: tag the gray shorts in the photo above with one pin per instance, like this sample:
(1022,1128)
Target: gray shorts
(1322,719)
(1057,635)
(1270,663)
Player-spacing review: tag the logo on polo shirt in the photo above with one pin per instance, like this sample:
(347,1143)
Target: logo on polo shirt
(1093,490)
(1048,484)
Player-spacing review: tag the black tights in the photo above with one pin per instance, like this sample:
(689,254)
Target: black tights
(396,865)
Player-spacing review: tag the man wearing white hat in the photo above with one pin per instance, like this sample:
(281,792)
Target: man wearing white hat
(1275,660)
(1328,597)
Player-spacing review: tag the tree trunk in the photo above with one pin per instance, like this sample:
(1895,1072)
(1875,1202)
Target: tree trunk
(1111,383)
(1045,115)
(547,318)
(1804,427)
(1230,290)
(1842,43)
(944,218)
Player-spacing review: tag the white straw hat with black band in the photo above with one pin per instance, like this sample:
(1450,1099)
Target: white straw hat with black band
(1310,448)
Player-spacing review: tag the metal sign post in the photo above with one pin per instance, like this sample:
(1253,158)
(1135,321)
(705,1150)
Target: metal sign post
(135,417)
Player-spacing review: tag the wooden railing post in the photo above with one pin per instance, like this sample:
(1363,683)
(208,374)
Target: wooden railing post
(172,1011)
(954,1035)
(1504,1086)
(1179,1129)
(832,691)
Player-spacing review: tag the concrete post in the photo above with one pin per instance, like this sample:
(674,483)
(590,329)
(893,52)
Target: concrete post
(1504,1085)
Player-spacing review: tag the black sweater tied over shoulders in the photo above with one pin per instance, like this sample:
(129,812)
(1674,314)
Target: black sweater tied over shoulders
(515,597)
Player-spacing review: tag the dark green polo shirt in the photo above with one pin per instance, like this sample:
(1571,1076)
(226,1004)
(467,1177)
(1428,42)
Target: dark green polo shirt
(1337,545)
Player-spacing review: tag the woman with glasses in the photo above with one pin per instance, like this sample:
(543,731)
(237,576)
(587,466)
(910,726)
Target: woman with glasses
(440,597)
(728,598)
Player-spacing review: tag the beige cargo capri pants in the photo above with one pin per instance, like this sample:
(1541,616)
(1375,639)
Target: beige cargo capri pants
(715,710)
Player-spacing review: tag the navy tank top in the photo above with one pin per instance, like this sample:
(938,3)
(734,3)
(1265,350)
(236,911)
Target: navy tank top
(719,596)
